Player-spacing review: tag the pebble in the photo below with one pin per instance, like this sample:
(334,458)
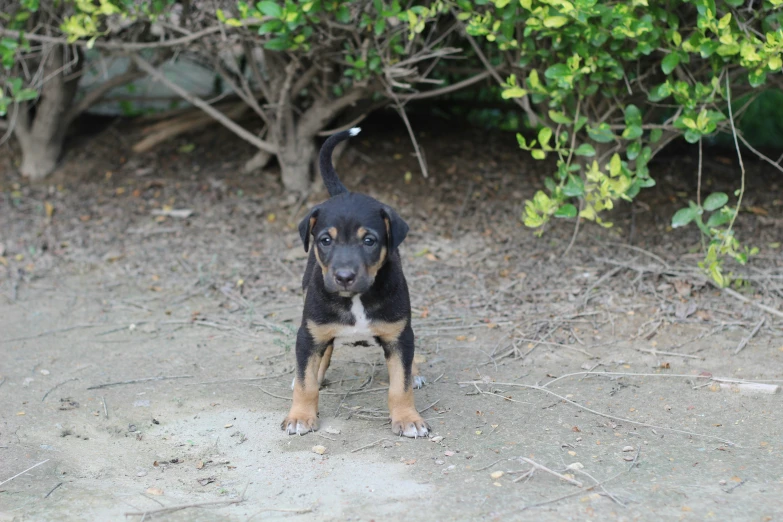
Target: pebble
(333,431)
(437,439)
(319,449)
(575,466)
(628,448)
(141,474)
(439,462)
(496,474)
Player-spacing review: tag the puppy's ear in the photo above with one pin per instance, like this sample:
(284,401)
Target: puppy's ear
(306,228)
(396,228)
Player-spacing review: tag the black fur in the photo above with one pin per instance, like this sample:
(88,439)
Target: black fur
(332,182)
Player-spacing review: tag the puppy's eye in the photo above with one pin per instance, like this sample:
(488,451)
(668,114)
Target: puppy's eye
(326,241)
(369,241)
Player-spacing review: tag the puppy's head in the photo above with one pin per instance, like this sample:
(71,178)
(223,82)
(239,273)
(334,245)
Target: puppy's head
(352,235)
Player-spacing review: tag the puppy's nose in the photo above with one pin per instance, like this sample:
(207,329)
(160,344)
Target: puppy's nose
(345,277)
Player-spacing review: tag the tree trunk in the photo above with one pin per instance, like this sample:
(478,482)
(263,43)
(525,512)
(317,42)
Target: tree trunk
(295,160)
(42,138)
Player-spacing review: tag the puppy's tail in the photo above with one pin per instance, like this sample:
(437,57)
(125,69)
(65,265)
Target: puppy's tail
(332,182)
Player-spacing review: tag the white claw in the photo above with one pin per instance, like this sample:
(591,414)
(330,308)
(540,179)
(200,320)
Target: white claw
(354,131)
(293,381)
(418,381)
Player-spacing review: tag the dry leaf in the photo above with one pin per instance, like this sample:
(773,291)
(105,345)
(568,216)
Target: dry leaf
(49,209)
(155,491)
(410,462)
(200,464)
(228,425)
(319,449)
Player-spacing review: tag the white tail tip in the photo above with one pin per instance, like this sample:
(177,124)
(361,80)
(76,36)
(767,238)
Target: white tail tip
(354,131)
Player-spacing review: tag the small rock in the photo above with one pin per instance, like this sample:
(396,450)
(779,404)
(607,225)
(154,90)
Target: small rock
(437,438)
(439,462)
(575,466)
(387,444)
(496,474)
(319,449)
(722,482)
(44,372)
(333,431)
(448,453)
(628,448)
(667,408)
(141,474)
(155,491)
(628,458)
(228,425)
(145,403)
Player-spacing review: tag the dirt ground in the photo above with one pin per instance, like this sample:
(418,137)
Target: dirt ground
(146,360)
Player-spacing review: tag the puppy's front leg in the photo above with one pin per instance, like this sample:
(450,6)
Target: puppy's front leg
(405,419)
(303,416)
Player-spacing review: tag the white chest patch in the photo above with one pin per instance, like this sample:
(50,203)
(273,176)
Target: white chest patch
(360,331)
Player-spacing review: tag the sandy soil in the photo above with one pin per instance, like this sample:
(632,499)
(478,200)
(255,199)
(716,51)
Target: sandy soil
(201,313)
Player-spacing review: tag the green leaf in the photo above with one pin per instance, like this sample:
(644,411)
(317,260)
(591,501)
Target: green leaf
(270,8)
(566,211)
(559,117)
(602,133)
(585,149)
(692,136)
(575,187)
(633,150)
(671,61)
(757,77)
(683,216)
(538,154)
(26,94)
(632,132)
(544,135)
(513,92)
(633,115)
(280,43)
(553,22)
(718,219)
(655,135)
(557,71)
(715,200)
(615,165)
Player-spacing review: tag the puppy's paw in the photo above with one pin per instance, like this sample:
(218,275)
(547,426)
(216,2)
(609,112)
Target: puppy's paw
(418,381)
(299,423)
(410,424)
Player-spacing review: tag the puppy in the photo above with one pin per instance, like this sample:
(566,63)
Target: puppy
(354,290)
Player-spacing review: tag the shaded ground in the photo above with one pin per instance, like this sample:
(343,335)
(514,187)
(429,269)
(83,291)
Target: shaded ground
(97,289)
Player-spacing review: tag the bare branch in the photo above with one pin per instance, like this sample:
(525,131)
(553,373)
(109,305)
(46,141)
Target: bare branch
(445,90)
(95,95)
(130,46)
(201,104)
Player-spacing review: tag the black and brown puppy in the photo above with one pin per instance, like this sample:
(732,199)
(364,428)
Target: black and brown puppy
(354,290)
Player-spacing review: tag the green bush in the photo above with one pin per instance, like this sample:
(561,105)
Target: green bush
(611,83)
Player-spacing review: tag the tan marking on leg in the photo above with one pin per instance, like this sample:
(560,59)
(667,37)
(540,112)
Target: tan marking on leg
(327,358)
(324,268)
(405,419)
(332,232)
(388,332)
(323,333)
(373,269)
(303,415)
(360,233)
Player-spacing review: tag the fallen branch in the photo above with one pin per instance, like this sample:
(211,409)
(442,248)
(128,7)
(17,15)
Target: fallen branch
(601,414)
(51,332)
(747,339)
(22,473)
(551,472)
(57,386)
(183,506)
(172,128)
(134,381)
(369,445)
(673,354)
